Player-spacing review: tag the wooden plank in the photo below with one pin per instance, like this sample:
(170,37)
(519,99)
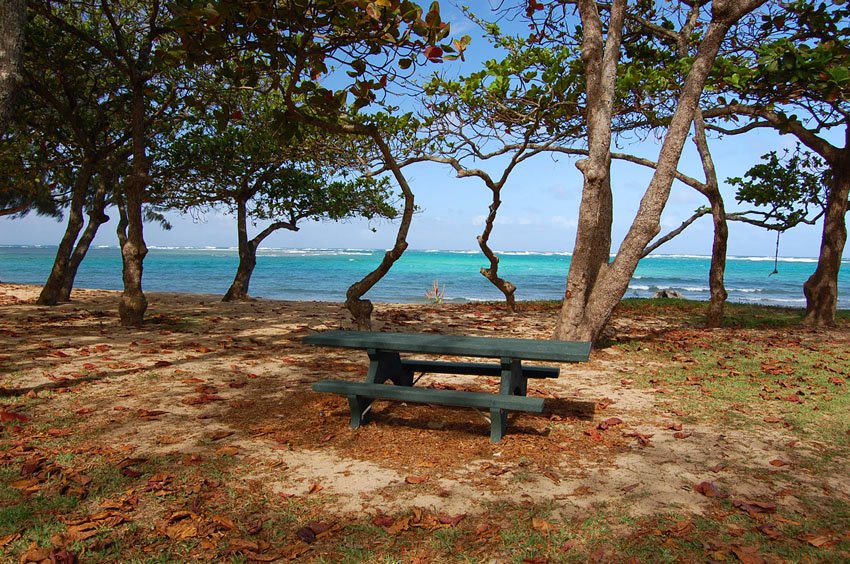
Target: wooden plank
(525,349)
(454,398)
(474,368)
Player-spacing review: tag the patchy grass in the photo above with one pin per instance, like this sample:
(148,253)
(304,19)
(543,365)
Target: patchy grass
(794,380)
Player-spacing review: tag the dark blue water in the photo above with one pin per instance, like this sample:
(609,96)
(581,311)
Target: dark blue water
(325,274)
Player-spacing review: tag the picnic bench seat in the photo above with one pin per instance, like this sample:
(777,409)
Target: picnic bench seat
(386,365)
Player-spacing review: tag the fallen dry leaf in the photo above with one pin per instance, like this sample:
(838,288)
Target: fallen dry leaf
(451,520)
(7,416)
(541,525)
(182,530)
(818,540)
(708,489)
(218,435)
(754,508)
(747,554)
(777,462)
(595,435)
(8,539)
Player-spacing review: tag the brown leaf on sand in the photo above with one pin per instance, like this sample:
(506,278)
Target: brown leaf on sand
(595,435)
(610,422)
(451,520)
(778,462)
(218,435)
(755,508)
(641,437)
(708,489)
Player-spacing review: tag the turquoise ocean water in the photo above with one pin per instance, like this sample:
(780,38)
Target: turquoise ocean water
(325,274)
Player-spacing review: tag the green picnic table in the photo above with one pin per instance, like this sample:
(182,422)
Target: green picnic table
(386,365)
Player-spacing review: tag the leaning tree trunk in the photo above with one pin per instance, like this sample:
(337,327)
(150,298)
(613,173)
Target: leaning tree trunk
(13,17)
(821,289)
(361,310)
(51,293)
(492,273)
(133,304)
(247,257)
(97,217)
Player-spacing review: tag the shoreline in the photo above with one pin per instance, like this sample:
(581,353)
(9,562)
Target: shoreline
(29,293)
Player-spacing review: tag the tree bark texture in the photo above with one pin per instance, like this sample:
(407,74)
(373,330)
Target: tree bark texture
(593,235)
(133,304)
(13,17)
(51,292)
(717,271)
(247,256)
(821,289)
(595,288)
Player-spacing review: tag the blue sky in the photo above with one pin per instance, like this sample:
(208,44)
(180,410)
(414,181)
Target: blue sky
(539,211)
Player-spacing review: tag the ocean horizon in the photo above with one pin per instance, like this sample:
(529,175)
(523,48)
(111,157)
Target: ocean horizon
(324,274)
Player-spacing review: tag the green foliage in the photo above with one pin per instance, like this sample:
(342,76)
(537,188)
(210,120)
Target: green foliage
(789,186)
(276,171)
(294,45)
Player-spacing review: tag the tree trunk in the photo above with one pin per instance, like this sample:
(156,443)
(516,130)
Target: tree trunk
(51,293)
(360,309)
(601,288)
(97,217)
(247,257)
(593,235)
(717,271)
(133,304)
(821,289)
(492,273)
(13,17)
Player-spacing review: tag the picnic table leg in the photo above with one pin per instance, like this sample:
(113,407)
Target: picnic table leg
(513,383)
(384,366)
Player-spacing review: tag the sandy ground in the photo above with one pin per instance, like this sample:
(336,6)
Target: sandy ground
(204,376)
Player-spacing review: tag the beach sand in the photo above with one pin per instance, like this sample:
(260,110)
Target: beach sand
(205,379)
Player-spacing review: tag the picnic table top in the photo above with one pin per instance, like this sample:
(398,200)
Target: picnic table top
(430,343)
